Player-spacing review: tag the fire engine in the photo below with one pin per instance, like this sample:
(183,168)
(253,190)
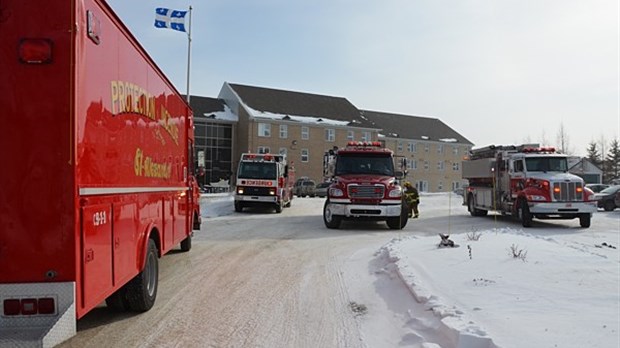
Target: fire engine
(264,179)
(96,181)
(364,186)
(526,181)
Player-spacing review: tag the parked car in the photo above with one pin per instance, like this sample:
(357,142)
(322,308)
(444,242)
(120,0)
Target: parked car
(617,200)
(606,198)
(596,188)
(321,189)
(305,188)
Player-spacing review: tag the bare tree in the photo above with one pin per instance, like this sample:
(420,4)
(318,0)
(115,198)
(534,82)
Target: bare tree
(563,140)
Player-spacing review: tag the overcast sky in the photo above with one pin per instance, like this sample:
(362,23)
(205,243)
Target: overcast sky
(497,71)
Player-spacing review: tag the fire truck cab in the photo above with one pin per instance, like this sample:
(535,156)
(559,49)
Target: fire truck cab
(364,186)
(264,179)
(526,181)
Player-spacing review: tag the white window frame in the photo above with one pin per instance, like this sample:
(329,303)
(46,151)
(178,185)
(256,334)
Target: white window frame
(456,166)
(439,148)
(263,149)
(264,130)
(351,135)
(283,151)
(441,166)
(411,147)
(330,134)
(305,133)
(440,186)
(427,147)
(456,185)
(455,150)
(283,131)
(305,153)
(400,146)
(426,166)
(365,136)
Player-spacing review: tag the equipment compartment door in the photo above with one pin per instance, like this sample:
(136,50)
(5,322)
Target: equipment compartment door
(96,253)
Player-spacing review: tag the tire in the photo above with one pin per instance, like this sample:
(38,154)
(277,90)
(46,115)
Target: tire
(238,207)
(473,211)
(141,291)
(118,301)
(584,220)
(186,244)
(398,223)
(331,221)
(524,214)
(279,207)
(609,206)
(196,222)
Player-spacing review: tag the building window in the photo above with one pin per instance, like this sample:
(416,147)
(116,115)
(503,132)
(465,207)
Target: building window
(455,166)
(440,148)
(365,136)
(413,164)
(411,147)
(455,150)
(283,151)
(264,130)
(264,149)
(455,185)
(400,146)
(422,185)
(305,133)
(283,131)
(350,135)
(426,147)
(304,155)
(426,165)
(440,165)
(440,186)
(330,134)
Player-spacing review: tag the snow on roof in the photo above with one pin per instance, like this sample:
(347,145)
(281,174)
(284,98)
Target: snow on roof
(424,137)
(449,140)
(297,118)
(226,115)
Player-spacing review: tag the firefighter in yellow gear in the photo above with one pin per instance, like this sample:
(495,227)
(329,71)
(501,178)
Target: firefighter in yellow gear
(412,198)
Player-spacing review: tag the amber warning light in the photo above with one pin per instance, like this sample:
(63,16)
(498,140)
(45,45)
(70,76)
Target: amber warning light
(35,51)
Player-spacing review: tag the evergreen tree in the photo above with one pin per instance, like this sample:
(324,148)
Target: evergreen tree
(612,162)
(593,155)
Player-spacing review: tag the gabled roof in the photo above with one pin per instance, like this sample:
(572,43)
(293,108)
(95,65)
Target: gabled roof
(413,127)
(206,109)
(291,103)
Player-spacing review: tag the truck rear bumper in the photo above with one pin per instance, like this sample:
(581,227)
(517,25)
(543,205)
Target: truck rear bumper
(261,199)
(374,210)
(559,208)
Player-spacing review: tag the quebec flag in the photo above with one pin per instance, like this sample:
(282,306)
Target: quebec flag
(167,18)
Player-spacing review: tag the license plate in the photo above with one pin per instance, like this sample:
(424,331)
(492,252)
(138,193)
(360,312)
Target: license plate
(568,205)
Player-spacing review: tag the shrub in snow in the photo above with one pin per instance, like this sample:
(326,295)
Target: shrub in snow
(473,236)
(517,253)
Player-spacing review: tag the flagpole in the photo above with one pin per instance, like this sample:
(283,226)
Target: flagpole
(189,49)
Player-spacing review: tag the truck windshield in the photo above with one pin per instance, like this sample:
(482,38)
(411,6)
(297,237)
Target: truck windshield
(546,164)
(364,164)
(257,170)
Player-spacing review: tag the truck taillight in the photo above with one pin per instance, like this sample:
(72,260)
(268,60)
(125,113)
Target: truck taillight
(35,51)
(280,182)
(29,306)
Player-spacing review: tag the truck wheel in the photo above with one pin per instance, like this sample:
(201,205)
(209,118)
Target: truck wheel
(118,301)
(196,222)
(473,211)
(330,220)
(142,289)
(399,222)
(279,207)
(609,206)
(186,244)
(524,214)
(584,220)
(238,207)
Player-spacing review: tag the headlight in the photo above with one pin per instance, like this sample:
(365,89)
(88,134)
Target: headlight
(395,192)
(240,190)
(335,192)
(272,192)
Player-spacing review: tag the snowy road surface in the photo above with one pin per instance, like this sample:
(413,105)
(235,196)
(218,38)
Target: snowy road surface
(260,279)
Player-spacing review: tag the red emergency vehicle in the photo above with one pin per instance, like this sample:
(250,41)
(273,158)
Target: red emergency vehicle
(96,176)
(365,185)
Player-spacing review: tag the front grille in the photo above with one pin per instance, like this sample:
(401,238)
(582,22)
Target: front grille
(365,191)
(567,191)
(255,191)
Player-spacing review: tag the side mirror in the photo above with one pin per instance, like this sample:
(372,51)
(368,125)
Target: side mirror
(399,174)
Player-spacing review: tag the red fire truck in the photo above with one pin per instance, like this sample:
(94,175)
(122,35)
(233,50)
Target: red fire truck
(264,179)
(526,181)
(365,186)
(96,181)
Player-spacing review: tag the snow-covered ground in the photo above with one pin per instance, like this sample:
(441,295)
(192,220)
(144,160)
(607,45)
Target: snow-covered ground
(552,285)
